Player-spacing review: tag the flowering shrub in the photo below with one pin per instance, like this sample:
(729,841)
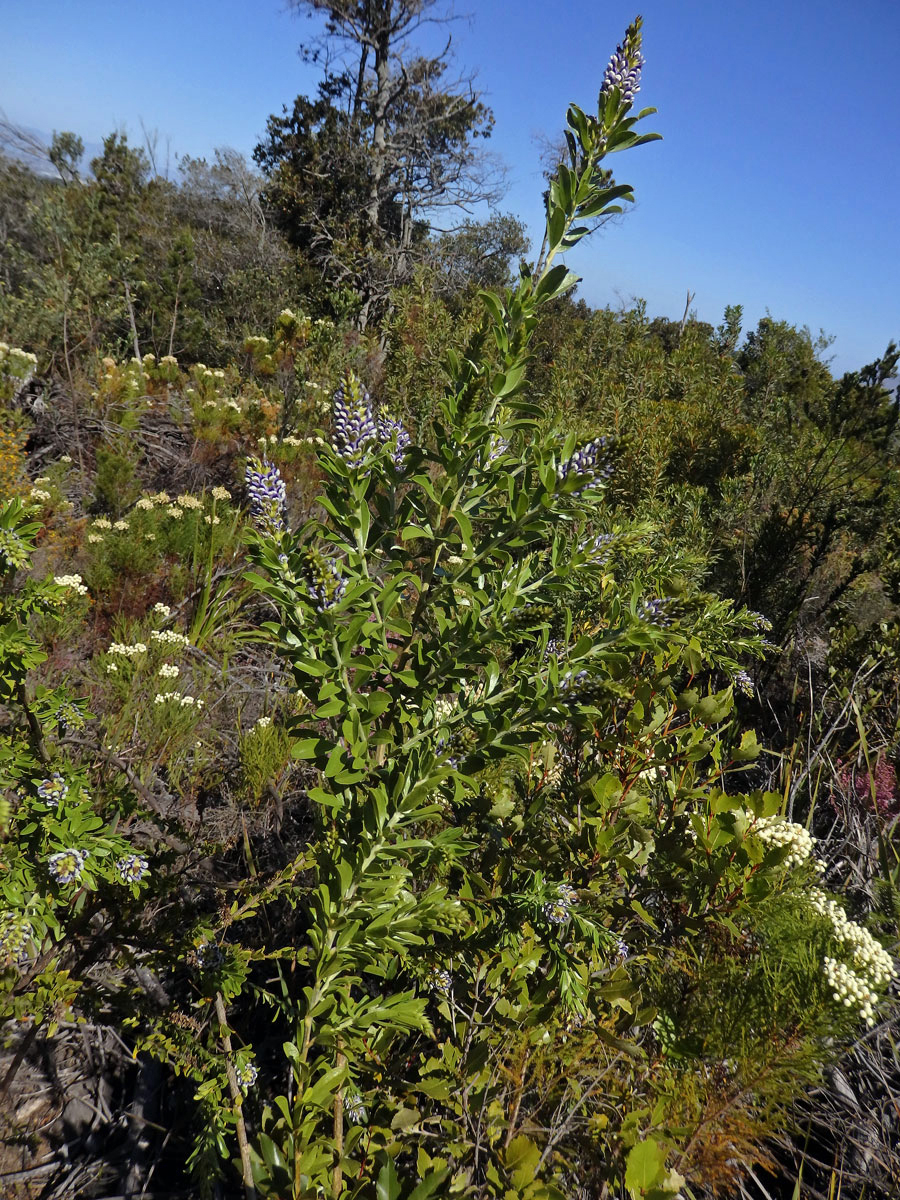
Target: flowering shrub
(63,866)
(520,780)
(483,887)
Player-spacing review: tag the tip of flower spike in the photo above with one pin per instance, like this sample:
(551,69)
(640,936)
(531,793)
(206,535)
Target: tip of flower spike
(268,496)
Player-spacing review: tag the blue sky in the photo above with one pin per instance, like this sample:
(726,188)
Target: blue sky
(776,186)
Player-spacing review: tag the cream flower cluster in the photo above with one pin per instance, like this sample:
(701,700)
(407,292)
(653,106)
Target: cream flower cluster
(850,989)
(125,650)
(169,637)
(168,671)
(178,698)
(40,495)
(869,957)
(220,493)
(71,581)
(102,523)
(775,831)
(162,610)
(14,361)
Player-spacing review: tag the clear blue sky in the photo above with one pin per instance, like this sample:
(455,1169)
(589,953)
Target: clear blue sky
(777,185)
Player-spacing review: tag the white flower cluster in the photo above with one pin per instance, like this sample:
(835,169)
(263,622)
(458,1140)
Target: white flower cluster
(444,708)
(94,538)
(145,504)
(263,723)
(869,958)
(14,361)
(71,581)
(168,671)
(850,989)
(102,523)
(182,701)
(188,501)
(40,495)
(127,651)
(121,526)
(162,610)
(775,831)
(169,637)
(220,493)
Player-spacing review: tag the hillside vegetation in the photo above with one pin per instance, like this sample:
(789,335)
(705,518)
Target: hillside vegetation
(448,735)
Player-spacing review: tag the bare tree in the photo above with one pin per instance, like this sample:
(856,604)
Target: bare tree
(363,174)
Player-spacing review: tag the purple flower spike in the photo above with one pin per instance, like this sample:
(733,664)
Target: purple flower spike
(624,68)
(656,611)
(391,433)
(268,499)
(592,460)
(326,587)
(353,420)
(744,683)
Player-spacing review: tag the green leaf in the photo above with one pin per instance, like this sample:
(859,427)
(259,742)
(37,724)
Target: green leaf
(521,1158)
(556,282)
(429,1185)
(644,1167)
(387,1185)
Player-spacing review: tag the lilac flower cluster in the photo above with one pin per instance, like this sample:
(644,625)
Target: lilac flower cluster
(624,69)
(570,682)
(132,868)
(554,648)
(440,980)
(353,420)
(496,447)
(622,950)
(69,717)
(762,623)
(392,433)
(591,460)
(15,935)
(743,683)
(246,1075)
(656,612)
(268,498)
(66,865)
(354,1108)
(356,425)
(597,548)
(558,911)
(324,581)
(210,957)
(51,791)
